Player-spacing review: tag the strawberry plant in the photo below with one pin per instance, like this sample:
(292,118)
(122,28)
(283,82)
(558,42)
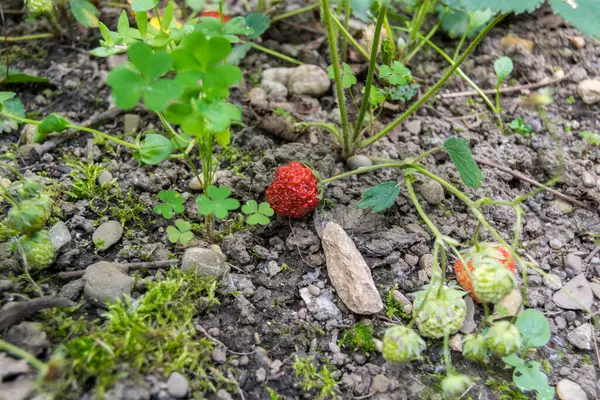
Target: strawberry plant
(519,126)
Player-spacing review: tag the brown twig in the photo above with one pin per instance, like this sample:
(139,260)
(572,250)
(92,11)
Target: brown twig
(533,182)
(139,265)
(26,309)
(518,88)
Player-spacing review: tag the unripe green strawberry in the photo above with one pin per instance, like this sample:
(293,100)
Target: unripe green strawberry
(38,250)
(503,338)
(440,313)
(402,344)
(39,7)
(474,348)
(30,216)
(492,282)
(455,385)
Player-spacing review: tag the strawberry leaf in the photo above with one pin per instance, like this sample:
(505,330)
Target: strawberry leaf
(503,67)
(506,6)
(583,14)
(380,197)
(529,376)
(461,156)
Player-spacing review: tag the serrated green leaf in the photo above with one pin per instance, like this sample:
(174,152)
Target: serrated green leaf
(85,13)
(52,123)
(503,67)
(155,149)
(534,328)
(458,150)
(380,197)
(143,5)
(506,6)
(258,23)
(583,14)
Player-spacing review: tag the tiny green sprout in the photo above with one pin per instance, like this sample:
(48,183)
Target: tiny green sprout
(348,77)
(180,233)
(216,202)
(257,213)
(517,125)
(376,96)
(503,67)
(591,137)
(172,204)
(570,100)
(397,74)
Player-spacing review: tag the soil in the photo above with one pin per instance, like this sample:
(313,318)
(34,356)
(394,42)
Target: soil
(265,315)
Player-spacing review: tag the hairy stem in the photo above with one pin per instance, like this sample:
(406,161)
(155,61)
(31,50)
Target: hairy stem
(350,38)
(344,50)
(359,171)
(435,88)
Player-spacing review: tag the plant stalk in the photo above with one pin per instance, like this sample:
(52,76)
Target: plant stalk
(436,87)
(29,37)
(295,12)
(272,52)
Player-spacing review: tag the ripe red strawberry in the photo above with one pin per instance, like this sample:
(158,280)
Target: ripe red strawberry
(214,14)
(294,191)
(488,253)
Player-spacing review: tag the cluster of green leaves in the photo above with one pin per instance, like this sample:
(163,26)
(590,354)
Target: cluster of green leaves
(359,338)
(309,378)
(528,375)
(85,180)
(591,137)
(394,308)
(137,337)
(519,126)
(381,197)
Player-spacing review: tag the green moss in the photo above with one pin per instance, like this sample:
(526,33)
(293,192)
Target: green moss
(310,379)
(359,338)
(505,390)
(395,309)
(154,333)
(85,180)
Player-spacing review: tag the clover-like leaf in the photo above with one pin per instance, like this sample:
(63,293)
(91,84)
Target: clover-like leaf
(216,202)
(380,197)
(257,213)
(397,74)
(461,156)
(172,203)
(503,67)
(181,232)
(534,328)
(348,77)
(376,96)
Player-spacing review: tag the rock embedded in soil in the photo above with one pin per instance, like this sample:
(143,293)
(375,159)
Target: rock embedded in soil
(575,295)
(569,390)
(276,91)
(582,337)
(281,75)
(381,383)
(106,281)
(309,80)
(432,192)
(414,126)
(349,272)
(573,262)
(29,336)
(512,303)
(72,290)
(208,261)
(589,91)
(594,286)
(469,324)
(358,161)
(60,236)
(552,281)
(131,123)
(178,385)
(322,308)
(407,306)
(588,179)
(104,178)
(107,235)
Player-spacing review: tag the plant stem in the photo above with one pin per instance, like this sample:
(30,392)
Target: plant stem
(371,73)
(77,128)
(221,15)
(329,127)
(417,21)
(447,359)
(294,12)
(397,164)
(350,38)
(460,44)
(22,354)
(422,42)
(428,152)
(388,30)
(29,37)
(347,148)
(435,88)
(344,51)
(422,213)
(272,52)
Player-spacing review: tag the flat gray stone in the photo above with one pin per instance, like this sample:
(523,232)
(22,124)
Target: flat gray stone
(569,390)
(573,262)
(575,295)
(413,126)
(107,235)
(594,286)
(29,336)
(358,161)
(178,385)
(106,281)
(60,236)
(349,273)
(208,261)
(582,337)
(309,80)
(432,192)
(72,290)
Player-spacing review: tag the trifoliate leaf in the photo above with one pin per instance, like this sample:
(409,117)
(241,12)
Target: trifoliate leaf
(380,197)
(397,74)
(172,203)
(461,156)
(257,213)
(376,96)
(348,77)
(181,232)
(216,202)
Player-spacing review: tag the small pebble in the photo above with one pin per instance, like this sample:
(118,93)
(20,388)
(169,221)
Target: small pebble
(588,180)
(315,291)
(555,243)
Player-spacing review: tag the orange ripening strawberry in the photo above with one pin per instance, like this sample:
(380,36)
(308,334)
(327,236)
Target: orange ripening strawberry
(214,14)
(294,191)
(489,253)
